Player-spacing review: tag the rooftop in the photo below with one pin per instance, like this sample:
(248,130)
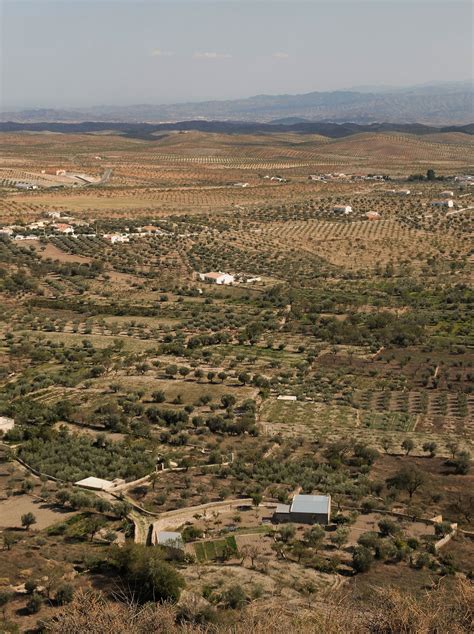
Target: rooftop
(6,423)
(311,504)
(169,538)
(95,483)
(214,274)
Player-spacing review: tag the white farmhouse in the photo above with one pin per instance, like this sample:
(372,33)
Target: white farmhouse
(342,209)
(217,277)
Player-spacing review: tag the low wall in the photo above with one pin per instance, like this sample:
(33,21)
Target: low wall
(447,538)
(38,473)
(181,516)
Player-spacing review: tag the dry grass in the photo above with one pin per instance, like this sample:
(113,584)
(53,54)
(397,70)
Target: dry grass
(446,608)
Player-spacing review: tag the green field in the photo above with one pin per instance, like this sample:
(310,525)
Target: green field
(210,551)
(389,421)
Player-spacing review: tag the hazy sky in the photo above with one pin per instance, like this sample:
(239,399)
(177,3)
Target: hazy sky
(86,52)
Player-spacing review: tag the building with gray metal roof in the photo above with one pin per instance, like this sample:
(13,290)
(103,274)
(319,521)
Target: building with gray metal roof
(305,509)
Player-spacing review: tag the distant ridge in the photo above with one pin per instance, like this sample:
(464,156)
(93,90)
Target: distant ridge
(148,130)
(434,104)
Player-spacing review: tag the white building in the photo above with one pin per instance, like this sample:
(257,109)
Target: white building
(372,215)
(98,484)
(217,277)
(25,186)
(342,209)
(114,238)
(62,227)
(6,424)
(41,224)
(442,203)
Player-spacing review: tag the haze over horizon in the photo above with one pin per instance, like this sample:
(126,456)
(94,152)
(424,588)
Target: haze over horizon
(77,53)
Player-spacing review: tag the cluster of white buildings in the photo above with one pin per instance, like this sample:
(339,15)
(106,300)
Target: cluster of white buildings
(335,176)
(56,224)
(276,179)
(399,192)
(340,176)
(219,277)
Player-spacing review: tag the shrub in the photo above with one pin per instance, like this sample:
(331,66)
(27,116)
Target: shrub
(234,597)
(388,527)
(34,603)
(148,576)
(64,594)
(362,559)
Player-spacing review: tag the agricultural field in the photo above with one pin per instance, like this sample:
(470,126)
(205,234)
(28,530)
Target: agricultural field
(339,362)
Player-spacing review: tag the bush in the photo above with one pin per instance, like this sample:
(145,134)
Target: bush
(462,463)
(31,585)
(362,559)
(64,594)
(191,533)
(148,576)
(388,527)
(34,603)
(234,597)
(442,529)
(158,396)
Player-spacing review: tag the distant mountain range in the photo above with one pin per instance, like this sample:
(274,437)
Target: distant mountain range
(440,104)
(155,131)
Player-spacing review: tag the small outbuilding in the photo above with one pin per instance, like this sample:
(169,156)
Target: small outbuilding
(305,509)
(443,203)
(342,209)
(372,215)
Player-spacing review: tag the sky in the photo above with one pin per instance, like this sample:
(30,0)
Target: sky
(78,53)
